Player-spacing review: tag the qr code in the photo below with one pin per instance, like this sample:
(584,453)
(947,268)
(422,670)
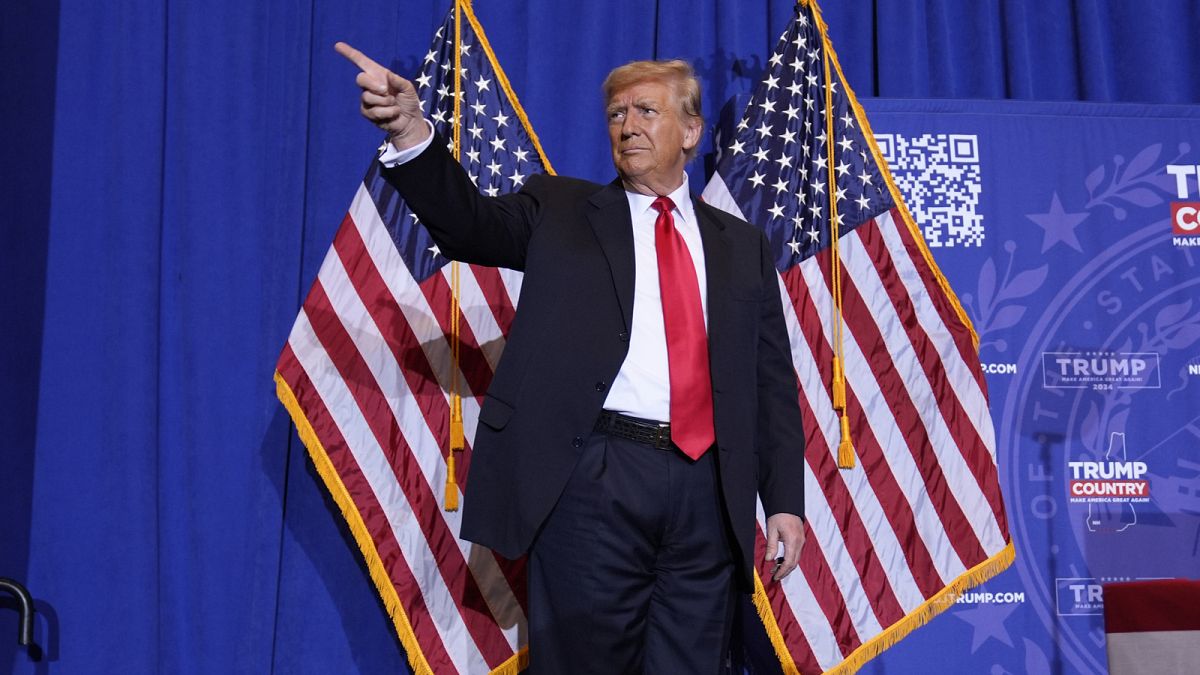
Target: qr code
(938,174)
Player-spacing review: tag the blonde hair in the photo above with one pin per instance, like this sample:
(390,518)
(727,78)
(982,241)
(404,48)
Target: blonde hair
(676,72)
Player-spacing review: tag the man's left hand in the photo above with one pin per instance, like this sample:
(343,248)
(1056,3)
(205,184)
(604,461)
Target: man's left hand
(786,529)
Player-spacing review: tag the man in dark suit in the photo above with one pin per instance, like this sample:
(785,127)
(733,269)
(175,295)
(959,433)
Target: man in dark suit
(646,392)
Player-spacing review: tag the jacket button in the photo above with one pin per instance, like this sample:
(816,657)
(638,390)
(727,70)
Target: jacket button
(600,386)
(577,442)
(623,337)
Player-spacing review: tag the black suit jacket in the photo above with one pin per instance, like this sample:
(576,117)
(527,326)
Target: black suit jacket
(574,241)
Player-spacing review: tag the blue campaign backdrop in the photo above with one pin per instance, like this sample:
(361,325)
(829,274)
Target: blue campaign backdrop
(175,172)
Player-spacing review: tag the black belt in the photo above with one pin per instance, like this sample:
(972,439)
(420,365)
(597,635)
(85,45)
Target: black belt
(647,432)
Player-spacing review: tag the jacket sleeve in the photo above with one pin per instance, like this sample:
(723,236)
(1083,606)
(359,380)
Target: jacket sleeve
(780,428)
(467,226)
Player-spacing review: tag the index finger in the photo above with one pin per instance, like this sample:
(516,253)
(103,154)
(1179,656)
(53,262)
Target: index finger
(359,59)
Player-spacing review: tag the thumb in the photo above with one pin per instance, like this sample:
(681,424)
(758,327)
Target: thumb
(399,85)
(772,543)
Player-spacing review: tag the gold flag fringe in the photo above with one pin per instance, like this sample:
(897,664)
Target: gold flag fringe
(920,616)
(366,545)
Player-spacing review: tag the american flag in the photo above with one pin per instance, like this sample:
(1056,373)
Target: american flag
(368,369)
(920,518)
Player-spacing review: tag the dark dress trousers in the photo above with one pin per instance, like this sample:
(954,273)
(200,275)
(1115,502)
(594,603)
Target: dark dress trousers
(573,239)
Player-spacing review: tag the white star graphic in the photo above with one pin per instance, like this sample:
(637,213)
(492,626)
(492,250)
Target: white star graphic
(757,179)
(761,155)
(434,250)
(423,80)
(788,137)
(520,154)
(784,161)
(738,147)
(781,184)
(777,210)
(430,56)
(517,178)
(482,83)
(815,209)
(865,177)
(842,168)
(465,49)
(772,82)
(764,130)
(497,143)
(473,155)
(814,234)
(494,167)
(795,88)
(475,131)
(863,202)
(795,246)
(848,120)
(479,108)
(492,191)
(501,119)
(792,112)
(846,144)
(767,105)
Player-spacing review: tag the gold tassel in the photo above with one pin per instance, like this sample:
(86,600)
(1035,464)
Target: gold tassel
(451,501)
(456,445)
(456,423)
(845,448)
(839,386)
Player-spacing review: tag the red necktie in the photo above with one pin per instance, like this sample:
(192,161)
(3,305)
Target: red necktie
(687,341)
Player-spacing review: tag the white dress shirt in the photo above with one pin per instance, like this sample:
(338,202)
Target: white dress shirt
(642,387)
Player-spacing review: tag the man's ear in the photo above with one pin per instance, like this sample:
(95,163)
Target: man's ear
(691,133)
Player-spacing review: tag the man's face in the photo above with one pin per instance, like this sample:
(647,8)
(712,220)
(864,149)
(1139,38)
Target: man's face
(649,135)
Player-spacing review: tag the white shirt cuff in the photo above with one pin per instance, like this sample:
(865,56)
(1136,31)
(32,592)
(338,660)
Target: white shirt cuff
(390,157)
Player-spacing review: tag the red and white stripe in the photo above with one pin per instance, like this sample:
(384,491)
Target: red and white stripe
(369,361)
(1152,626)
(923,506)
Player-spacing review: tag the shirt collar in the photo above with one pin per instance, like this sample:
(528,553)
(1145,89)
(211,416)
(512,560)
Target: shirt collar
(681,196)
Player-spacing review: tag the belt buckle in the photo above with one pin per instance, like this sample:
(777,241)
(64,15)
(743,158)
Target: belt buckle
(662,437)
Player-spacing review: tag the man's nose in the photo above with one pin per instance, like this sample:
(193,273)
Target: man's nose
(629,127)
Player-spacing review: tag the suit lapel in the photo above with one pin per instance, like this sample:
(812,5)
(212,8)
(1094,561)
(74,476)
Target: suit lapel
(716,262)
(613,227)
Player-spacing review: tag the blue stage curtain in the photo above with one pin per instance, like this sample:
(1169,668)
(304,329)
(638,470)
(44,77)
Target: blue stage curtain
(175,173)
